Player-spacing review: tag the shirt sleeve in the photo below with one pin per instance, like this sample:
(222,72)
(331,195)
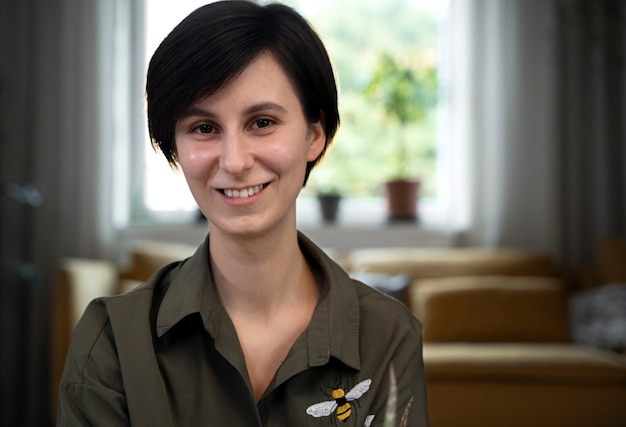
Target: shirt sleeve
(91,390)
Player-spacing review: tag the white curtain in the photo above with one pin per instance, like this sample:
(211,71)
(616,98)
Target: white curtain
(99,100)
(512,180)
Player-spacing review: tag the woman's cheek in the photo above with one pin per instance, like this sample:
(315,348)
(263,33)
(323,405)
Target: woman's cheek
(196,160)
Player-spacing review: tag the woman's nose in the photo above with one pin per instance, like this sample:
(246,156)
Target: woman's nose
(236,157)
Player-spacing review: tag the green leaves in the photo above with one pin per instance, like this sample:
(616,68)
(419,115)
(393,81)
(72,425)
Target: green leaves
(406,91)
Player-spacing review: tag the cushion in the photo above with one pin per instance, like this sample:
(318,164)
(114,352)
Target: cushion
(147,257)
(527,363)
(598,317)
(419,263)
(85,280)
(491,309)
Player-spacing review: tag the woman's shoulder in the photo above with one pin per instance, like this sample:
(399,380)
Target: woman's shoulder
(91,346)
(107,327)
(95,327)
(96,318)
(376,305)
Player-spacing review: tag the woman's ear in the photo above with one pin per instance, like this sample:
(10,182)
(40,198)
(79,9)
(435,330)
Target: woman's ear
(317,139)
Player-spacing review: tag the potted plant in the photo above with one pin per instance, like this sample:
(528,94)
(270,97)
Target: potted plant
(406,93)
(329,206)
(327,193)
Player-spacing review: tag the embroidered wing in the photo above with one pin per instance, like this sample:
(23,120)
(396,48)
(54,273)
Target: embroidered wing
(322,409)
(358,390)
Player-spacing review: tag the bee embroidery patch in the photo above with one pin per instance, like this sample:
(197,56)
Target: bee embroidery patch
(340,403)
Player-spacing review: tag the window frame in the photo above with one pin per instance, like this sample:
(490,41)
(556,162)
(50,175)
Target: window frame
(353,212)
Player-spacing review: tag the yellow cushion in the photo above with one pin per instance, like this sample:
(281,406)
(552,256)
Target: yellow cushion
(148,257)
(491,309)
(419,263)
(536,363)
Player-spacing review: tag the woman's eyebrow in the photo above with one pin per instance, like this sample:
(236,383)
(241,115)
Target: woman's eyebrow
(265,106)
(195,111)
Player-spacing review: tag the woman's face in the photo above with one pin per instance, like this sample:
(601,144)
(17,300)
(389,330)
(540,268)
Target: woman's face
(244,150)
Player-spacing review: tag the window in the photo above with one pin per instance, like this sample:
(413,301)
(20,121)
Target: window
(360,35)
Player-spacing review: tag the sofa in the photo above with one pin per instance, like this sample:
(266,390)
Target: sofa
(498,348)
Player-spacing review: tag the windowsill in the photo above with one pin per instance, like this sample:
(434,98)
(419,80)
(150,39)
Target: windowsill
(360,224)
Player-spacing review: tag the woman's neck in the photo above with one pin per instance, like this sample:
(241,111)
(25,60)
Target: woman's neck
(270,294)
(262,275)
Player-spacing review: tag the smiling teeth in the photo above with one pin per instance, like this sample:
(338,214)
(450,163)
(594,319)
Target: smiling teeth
(246,192)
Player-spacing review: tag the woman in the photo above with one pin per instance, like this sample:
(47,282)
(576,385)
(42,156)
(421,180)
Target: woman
(259,327)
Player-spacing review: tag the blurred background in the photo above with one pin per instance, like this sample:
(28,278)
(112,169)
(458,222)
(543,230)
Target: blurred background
(513,124)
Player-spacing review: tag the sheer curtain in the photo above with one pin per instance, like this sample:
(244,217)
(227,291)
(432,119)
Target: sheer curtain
(66,101)
(529,164)
(100,102)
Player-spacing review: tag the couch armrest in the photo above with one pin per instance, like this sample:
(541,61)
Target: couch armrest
(421,263)
(85,280)
(146,257)
(78,282)
(491,309)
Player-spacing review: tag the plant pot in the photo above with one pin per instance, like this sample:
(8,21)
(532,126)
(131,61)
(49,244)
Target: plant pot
(329,206)
(402,197)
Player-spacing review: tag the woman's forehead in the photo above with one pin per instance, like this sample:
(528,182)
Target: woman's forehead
(263,82)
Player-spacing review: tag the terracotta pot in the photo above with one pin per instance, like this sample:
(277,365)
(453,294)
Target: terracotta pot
(402,198)
(329,206)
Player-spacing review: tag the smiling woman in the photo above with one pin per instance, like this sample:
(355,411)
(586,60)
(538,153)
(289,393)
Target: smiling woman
(360,163)
(257,324)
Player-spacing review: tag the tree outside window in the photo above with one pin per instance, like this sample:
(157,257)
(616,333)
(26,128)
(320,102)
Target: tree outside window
(371,44)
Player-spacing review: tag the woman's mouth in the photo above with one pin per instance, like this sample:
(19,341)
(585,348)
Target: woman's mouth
(242,193)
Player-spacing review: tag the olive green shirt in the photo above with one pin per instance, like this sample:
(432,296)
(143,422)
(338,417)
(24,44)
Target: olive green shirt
(167,354)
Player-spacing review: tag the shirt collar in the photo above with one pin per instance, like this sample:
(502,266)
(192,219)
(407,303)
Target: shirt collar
(190,290)
(334,327)
(332,332)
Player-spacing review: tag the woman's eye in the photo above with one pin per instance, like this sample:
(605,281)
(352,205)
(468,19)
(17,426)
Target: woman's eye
(205,128)
(262,123)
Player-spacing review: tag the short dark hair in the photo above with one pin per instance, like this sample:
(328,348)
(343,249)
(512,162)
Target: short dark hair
(215,43)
